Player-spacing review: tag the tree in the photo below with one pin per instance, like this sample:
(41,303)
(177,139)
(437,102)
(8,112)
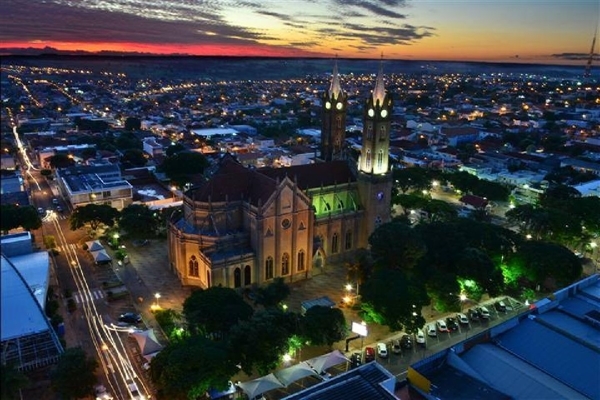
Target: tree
(138,221)
(60,160)
(413,178)
(94,214)
(214,311)
(396,246)
(188,369)
(132,124)
(181,166)
(13,381)
(390,298)
(323,325)
(74,374)
(134,157)
(174,148)
(272,294)
(260,342)
(14,216)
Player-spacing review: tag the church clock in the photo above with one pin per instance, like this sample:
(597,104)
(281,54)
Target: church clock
(384,113)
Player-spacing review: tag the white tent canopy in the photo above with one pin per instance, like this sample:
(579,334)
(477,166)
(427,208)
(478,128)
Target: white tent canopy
(94,245)
(261,385)
(328,360)
(101,256)
(147,343)
(291,374)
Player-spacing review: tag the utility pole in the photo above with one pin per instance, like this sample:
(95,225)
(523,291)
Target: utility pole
(588,66)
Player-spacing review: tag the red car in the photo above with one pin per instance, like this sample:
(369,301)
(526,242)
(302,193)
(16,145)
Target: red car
(369,354)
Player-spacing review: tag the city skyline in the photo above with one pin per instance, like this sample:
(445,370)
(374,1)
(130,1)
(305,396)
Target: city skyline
(531,31)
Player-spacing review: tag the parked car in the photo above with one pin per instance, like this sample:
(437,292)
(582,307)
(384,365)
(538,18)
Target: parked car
(420,337)
(382,350)
(59,209)
(500,306)
(55,202)
(396,349)
(474,314)
(406,342)
(130,318)
(369,354)
(451,324)
(441,325)
(41,211)
(355,360)
(483,312)
(431,330)
(462,319)
(134,391)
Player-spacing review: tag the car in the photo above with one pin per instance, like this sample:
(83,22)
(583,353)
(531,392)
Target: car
(59,209)
(369,354)
(382,350)
(474,314)
(462,319)
(130,318)
(396,348)
(41,211)
(451,324)
(406,342)
(101,393)
(355,360)
(134,391)
(420,337)
(431,330)
(500,306)
(483,312)
(441,325)
(55,202)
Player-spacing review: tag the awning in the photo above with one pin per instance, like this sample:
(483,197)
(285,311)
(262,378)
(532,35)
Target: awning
(328,360)
(294,373)
(261,385)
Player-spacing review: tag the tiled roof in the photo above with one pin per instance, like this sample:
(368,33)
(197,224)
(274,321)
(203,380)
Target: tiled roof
(311,176)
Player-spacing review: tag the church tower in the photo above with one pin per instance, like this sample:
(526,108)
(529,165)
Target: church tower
(333,129)
(374,175)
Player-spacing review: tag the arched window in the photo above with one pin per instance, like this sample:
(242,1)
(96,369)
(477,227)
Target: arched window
(382,132)
(369,131)
(368,163)
(247,275)
(348,244)
(380,159)
(334,243)
(338,122)
(285,264)
(237,278)
(193,267)
(269,268)
(208,278)
(301,260)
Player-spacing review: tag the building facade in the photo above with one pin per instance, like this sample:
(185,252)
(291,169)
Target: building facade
(247,226)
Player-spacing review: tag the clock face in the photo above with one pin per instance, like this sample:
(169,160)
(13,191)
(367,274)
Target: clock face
(339,106)
(383,113)
(371,112)
(328,105)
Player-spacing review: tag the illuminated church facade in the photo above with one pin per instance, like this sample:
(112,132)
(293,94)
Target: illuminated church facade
(247,226)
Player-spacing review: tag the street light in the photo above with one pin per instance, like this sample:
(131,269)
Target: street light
(157,296)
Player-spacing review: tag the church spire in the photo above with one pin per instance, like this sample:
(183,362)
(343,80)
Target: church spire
(379,91)
(335,89)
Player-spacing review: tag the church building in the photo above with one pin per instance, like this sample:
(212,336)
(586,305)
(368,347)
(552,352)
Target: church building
(248,226)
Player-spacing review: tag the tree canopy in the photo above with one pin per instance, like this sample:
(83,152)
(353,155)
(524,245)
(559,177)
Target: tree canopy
(95,215)
(14,216)
(181,166)
(74,375)
(138,221)
(324,325)
(214,311)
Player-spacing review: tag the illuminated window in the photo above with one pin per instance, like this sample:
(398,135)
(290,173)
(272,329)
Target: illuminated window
(368,163)
(382,132)
(193,267)
(380,159)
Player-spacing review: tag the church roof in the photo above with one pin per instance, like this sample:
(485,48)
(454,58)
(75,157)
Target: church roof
(311,176)
(232,182)
(335,89)
(379,91)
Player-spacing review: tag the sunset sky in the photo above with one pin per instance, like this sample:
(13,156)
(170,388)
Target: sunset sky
(540,31)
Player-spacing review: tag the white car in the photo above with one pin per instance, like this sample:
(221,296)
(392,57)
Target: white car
(485,313)
(101,393)
(382,350)
(420,336)
(431,330)
(462,319)
(441,325)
